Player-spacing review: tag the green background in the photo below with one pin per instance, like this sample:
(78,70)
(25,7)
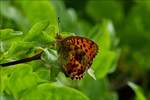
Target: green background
(120,28)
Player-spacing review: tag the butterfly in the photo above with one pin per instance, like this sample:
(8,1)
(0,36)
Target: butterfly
(76,55)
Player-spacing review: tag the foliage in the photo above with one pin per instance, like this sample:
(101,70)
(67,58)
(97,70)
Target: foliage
(28,26)
(138,91)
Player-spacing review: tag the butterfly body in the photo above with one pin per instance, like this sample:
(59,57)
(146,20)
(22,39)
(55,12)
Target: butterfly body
(76,55)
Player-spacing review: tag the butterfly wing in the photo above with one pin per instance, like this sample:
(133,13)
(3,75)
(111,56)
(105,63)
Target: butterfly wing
(79,54)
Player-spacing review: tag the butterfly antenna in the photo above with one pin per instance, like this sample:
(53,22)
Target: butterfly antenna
(58,33)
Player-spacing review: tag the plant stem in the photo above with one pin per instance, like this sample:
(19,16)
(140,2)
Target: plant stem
(35,57)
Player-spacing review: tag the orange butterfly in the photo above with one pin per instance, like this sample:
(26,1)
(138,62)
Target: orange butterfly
(76,55)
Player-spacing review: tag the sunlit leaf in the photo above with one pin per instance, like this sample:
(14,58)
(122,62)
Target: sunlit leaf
(91,73)
(49,91)
(22,78)
(37,11)
(8,34)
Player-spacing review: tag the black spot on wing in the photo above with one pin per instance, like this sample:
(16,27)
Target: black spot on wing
(79,55)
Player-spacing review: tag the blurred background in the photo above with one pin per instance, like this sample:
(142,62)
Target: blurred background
(121,28)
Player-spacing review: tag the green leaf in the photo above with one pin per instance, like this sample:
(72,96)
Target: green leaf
(41,33)
(107,57)
(138,91)
(36,30)
(90,71)
(6,97)
(51,91)
(97,89)
(38,11)
(103,63)
(50,57)
(43,73)
(19,50)
(3,79)
(22,78)
(8,34)
(68,17)
(11,12)
(7,38)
